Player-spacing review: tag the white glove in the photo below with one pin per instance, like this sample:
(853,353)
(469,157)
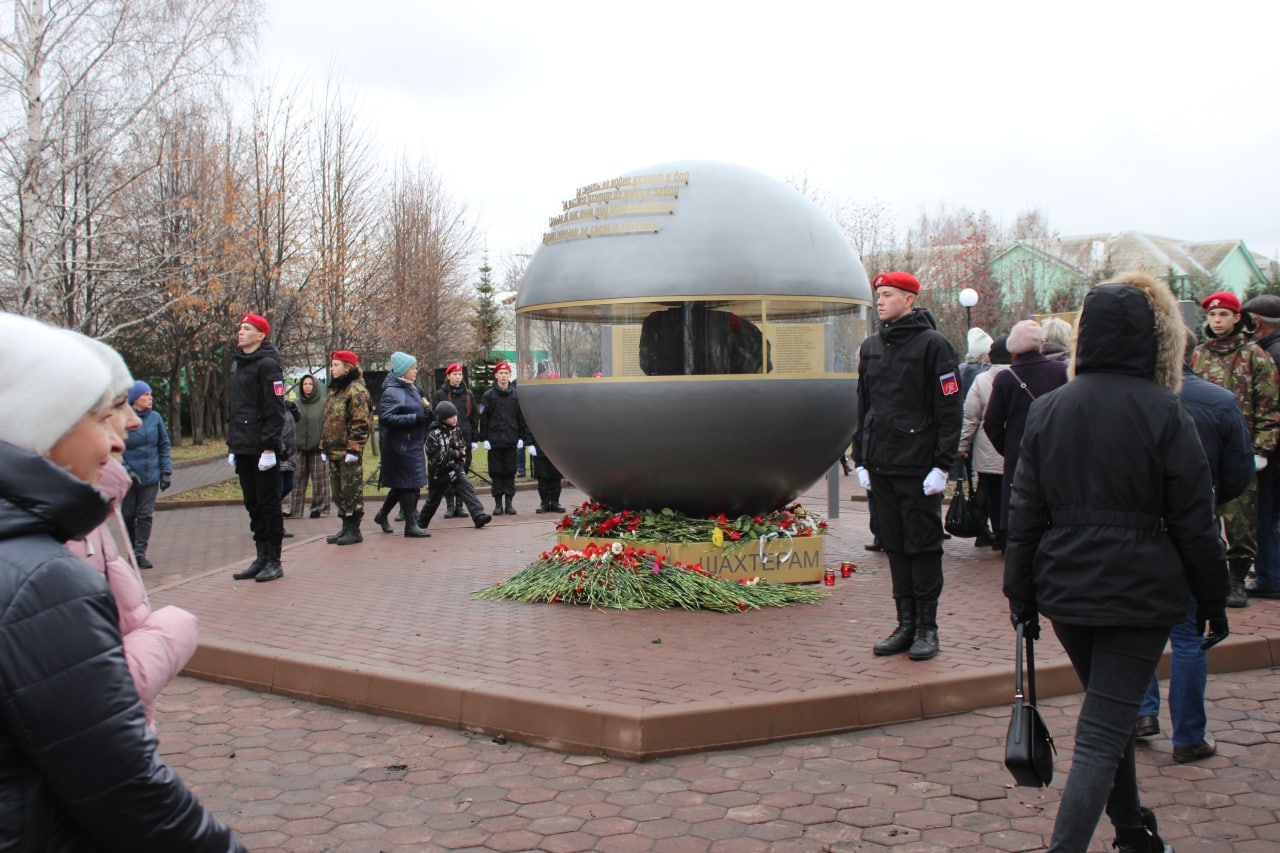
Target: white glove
(350,458)
(267,460)
(231,459)
(519,444)
(864,477)
(533,450)
(1259,462)
(474,445)
(324,457)
(488,446)
(935,482)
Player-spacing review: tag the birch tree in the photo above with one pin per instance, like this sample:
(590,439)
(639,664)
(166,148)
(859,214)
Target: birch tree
(75,77)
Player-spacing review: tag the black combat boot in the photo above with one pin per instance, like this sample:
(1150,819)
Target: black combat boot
(455,508)
(926,641)
(510,510)
(412,529)
(333,539)
(481,520)
(351,535)
(497,505)
(272,569)
(256,566)
(900,640)
(380,519)
(1239,567)
(553,500)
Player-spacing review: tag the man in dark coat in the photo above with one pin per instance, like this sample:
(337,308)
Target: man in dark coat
(1225,438)
(1111,531)
(904,444)
(1266,565)
(256,391)
(502,429)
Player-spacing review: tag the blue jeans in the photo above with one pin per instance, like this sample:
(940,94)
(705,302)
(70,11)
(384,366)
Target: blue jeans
(1114,665)
(1267,563)
(1188,672)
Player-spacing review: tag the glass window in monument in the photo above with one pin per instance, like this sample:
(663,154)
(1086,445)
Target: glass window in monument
(726,336)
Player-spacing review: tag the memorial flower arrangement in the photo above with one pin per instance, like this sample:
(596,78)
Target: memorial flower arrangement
(666,525)
(627,577)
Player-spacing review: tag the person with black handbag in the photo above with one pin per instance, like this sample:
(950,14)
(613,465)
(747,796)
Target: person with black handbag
(1111,532)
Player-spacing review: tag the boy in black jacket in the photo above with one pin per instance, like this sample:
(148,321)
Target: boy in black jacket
(447,467)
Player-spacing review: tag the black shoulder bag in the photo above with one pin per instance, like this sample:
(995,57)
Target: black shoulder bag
(964,520)
(1028,749)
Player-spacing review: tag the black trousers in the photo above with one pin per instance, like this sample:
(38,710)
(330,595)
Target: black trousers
(549,479)
(502,471)
(261,490)
(436,490)
(452,491)
(909,524)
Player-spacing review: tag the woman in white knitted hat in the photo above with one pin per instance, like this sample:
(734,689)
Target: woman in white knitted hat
(79,768)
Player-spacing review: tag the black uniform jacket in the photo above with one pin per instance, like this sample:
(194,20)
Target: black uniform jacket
(910,410)
(256,392)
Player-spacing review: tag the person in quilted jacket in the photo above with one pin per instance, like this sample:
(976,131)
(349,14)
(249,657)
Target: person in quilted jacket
(80,770)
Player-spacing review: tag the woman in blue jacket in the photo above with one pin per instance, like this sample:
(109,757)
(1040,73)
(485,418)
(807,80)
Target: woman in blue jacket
(146,458)
(403,419)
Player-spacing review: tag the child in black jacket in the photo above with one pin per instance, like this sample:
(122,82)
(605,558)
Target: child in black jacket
(447,467)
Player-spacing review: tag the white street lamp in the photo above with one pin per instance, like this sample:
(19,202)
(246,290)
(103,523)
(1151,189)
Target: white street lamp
(968,298)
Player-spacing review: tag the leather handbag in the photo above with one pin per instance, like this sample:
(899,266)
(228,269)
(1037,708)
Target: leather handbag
(1028,748)
(963,520)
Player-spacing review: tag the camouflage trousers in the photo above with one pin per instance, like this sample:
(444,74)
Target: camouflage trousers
(347,480)
(1240,518)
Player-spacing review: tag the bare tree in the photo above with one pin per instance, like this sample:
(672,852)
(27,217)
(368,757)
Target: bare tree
(81,73)
(430,243)
(341,269)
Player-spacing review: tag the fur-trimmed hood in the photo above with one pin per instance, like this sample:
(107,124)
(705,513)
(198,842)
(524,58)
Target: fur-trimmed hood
(1131,325)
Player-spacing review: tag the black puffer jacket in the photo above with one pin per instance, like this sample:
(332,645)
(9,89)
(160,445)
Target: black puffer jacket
(79,768)
(256,392)
(909,402)
(465,402)
(1111,518)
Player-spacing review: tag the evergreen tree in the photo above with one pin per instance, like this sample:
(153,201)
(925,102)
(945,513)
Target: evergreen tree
(486,321)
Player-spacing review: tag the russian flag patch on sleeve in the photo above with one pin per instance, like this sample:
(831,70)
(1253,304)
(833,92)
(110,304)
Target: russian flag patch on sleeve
(278,387)
(950,385)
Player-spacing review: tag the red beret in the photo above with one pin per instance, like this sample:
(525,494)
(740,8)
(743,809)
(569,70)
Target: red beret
(258,322)
(453,368)
(901,280)
(346,355)
(1222,299)
(502,365)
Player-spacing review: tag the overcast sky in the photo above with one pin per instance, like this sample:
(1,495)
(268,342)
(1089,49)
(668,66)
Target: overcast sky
(1105,116)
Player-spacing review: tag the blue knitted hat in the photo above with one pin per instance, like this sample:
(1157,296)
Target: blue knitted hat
(402,363)
(139,388)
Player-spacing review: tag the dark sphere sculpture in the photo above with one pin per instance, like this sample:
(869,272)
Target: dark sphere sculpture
(687,336)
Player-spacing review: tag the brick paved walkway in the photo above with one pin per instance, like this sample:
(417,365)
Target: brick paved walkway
(295,776)
(390,626)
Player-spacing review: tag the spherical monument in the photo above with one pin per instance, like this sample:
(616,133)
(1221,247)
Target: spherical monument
(702,322)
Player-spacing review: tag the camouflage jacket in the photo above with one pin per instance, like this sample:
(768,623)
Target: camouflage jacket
(1244,368)
(347,415)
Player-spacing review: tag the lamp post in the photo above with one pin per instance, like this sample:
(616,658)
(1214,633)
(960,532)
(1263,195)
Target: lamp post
(968,298)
